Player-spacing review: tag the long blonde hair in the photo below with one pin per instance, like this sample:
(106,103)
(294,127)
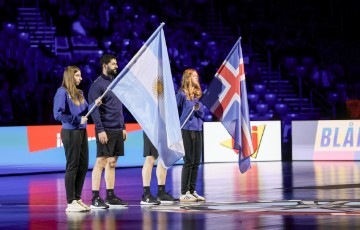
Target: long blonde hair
(191,90)
(70,85)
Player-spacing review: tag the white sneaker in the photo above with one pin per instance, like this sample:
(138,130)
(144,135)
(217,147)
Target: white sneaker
(84,205)
(198,197)
(75,207)
(188,197)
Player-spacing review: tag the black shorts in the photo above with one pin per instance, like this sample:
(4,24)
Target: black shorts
(149,148)
(114,146)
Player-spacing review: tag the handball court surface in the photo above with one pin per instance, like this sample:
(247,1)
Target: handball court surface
(271,195)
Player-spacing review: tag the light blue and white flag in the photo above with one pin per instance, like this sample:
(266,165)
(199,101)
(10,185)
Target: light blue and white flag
(145,87)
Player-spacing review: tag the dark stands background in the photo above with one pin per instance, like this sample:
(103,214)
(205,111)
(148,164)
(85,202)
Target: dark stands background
(301,57)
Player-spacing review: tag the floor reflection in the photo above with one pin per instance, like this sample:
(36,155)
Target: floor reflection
(38,201)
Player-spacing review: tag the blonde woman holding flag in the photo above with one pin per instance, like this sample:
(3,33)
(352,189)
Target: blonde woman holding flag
(191,112)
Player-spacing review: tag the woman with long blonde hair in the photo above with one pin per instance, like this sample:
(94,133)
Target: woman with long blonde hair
(191,112)
(70,108)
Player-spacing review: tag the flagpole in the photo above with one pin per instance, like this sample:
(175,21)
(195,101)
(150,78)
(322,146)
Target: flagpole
(135,58)
(228,56)
(187,118)
(129,65)
(94,106)
(226,59)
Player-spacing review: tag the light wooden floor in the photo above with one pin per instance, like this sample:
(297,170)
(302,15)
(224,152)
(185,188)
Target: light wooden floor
(272,195)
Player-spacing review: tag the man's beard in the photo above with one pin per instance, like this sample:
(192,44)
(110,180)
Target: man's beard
(111,72)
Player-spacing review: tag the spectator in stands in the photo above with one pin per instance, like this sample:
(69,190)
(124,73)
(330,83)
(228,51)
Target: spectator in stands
(21,100)
(6,115)
(77,27)
(67,14)
(321,77)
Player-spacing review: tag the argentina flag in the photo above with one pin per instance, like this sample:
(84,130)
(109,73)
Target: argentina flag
(146,88)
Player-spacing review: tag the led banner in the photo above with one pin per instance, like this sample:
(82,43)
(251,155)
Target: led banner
(27,149)
(266,138)
(326,140)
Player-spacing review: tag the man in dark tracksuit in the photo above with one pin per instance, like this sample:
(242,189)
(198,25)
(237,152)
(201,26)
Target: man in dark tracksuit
(110,134)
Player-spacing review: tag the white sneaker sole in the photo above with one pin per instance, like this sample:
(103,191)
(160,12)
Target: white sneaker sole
(75,210)
(146,203)
(188,200)
(96,207)
(166,202)
(113,206)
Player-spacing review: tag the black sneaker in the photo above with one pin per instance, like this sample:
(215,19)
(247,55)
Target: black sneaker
(98,203)
(149,200)
(166,198)
(115,201)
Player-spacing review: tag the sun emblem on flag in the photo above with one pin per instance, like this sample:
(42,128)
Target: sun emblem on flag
(158,87)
